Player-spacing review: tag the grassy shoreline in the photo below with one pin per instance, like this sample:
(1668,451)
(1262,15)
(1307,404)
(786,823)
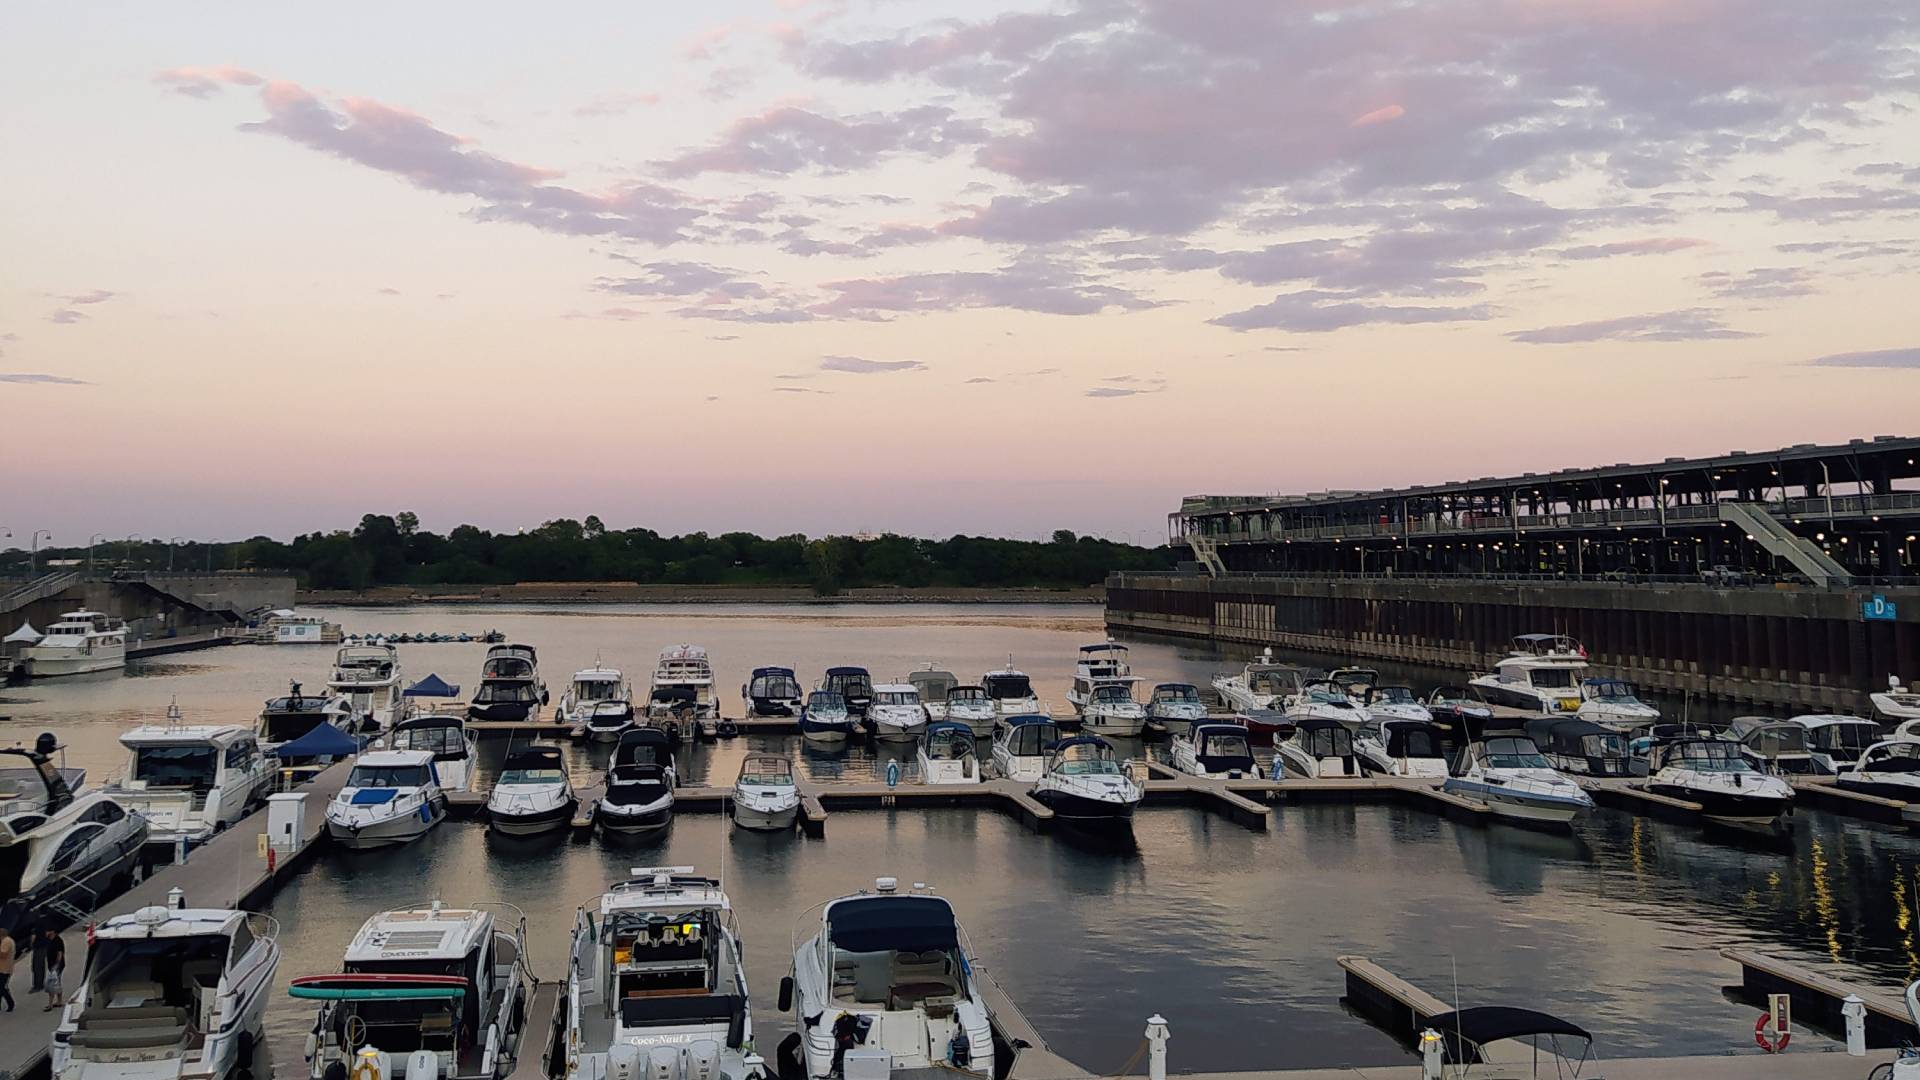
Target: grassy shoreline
(616,592)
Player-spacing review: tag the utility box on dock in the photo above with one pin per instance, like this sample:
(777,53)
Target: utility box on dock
(286,822)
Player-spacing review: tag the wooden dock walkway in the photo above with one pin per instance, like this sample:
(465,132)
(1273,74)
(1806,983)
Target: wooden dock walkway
(1033,1058)
(1389,1001)
(1817,995)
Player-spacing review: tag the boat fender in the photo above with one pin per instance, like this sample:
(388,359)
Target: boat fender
(1762,1035)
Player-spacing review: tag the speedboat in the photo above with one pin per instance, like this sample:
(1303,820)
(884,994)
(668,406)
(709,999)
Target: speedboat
(1889,769)
(657,985)
(590,687)
(1110,710)
(825,718)
(772,691)
(389,798)
(1011,691)
(190,782)
(1390,746)
(533,794)
(284,719)
(1319,749)
(1322,699)
(1264,726)
(1174,707)
(853,684)
(1539,675)
(368,678)
(169,992)
(1836,742)
(1508,773)
(25,788)
(62,853)
(1777,747)
(896,715)
(971,706)
(606,721)
(1099,665)
(766,797)
(885,988)
(1715,774)
(1261,685)
(682,687)
(1897,704)
(1498,1042)
(430,993)
(445,736)
(1615,703)
(947,755)
(510,687)
(1021,746)
(934,685)
(80,643)
(1358,682)
(1085,785)
(1459,711)
(640,782)
(1394,703)
(1581,747)
(1214,750)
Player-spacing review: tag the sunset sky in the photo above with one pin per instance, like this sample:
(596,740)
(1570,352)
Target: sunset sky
(893,265)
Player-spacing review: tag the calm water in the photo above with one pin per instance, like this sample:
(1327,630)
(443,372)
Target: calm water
(1230,933)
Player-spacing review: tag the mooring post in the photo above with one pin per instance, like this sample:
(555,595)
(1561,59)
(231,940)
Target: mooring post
(1855,1012)
(1432,1054)
(1157,1035)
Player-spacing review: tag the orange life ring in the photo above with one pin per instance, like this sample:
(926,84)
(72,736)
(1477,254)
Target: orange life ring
(1760,1035)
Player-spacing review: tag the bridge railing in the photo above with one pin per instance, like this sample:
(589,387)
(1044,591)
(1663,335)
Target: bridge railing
(39,588)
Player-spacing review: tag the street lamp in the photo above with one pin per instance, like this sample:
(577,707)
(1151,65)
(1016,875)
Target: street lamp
(126,553)
(90,540)
(33,552)
(170,542)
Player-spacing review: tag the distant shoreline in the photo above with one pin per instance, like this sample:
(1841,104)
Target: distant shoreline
(614,592)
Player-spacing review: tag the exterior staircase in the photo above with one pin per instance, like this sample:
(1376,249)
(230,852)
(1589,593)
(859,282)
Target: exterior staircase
(1769,533)
(1206,551)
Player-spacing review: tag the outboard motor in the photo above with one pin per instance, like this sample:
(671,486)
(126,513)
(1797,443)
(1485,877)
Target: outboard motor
(623,1062)
(423,1065)
(701,1061)
(663,1063)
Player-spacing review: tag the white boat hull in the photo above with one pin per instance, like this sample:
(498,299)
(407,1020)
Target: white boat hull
(748,817)
(386,832)
(48,664)
(530,822)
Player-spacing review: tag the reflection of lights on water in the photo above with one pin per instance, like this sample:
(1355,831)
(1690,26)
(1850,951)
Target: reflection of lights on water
(1903,920)
(1637,847)
(1823,905)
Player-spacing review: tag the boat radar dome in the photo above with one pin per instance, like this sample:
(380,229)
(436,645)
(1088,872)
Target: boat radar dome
(46,744)
(887,884)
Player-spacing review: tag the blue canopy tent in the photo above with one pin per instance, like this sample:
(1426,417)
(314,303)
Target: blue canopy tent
(431,686)
(324,740)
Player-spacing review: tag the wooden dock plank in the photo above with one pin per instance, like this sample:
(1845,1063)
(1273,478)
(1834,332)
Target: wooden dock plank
(1819,993)
(1034,1059)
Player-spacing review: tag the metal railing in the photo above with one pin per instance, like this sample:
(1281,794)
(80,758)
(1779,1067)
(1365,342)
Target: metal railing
(39,588)
(1610,578)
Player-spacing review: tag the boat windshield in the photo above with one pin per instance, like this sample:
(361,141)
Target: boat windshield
(1512,753)
(1393,695)
(1032,740)
(766,772)
(949,745)
(1005,687)
(826,701)
(1902,757)
(851,685)
(537,775)
(961,695)
(175,766)
(1326,742)
(1551,678)
(504,693)
(1612,690)
(774,686)
(1111,694)
(595,689)
(1709,755)
(1086,759)
(907,698)
(385,776)
(1267,682)
(1184,695)
(1778,739)
(1228,746)
(1844,736)
(1324,696)
(143,970)
(506,667)
(438,740)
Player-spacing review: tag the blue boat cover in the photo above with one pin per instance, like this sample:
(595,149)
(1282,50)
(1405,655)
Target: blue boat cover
(324,740)
(373,796)
(949,725)
(764,671)
(846,671)
(431,686)
(1028,718)
(901,923)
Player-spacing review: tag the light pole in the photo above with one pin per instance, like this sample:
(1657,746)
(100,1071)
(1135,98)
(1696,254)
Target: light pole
(126,552)
(33,551)
(6,534)
(1826,485)
(90,540)
(170,542)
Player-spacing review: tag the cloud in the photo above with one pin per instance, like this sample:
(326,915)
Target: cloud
(978,379)
(1317,311)
(95,296)
(1879,358)
(681,278)
(1763,283)
(1692,324)
(799,390)
(723,337)
(788,139)
(387,290)
(1652,245)
(200,82)
(854,365)
(1054,288)
(66,316)
(615,103)
(1381,115)
(37,377)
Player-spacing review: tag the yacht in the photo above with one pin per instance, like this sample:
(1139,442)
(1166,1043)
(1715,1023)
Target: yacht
(289,628)
(1174,707)
(853,684)
(1099,665)
(510,686)
(284,719)
(1357,682)
(1110,710)
(1323,699)
(63,853)
(1777,747)
(1889,769)
(1459,711)
(683,687)
(1011,691)
(1319,749)
(934,686)
(1580,747)
(766,797)
(1085,785)
(1615,703)
(1390,746)
(1838,741)
(191,781)
(1215,750)
(590,687)
(825,718)
(429,993)
(533,794)
(1508,773)
(445,736)
(389,798)
(657,985)
(1540,675)
(81,642)
(947,755)
(1021,746)
(772,691)
(606,721)
(24,787)
(367,677)
(169,992)
(640,782)
(1897,704)
(885,988)
(1394,703)
(896,714)
(1716,775)
(971,706)
(1261,685)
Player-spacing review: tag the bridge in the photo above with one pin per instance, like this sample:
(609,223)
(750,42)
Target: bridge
(153,604)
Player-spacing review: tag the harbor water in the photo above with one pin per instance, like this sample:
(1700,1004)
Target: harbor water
(1230,933)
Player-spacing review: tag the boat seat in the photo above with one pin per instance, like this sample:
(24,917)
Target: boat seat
(125,1029)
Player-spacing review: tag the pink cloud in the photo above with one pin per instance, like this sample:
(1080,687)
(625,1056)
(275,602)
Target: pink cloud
(1378,116)
(202,82)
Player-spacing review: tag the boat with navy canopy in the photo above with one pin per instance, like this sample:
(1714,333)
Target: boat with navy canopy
(1776,747)
(1390,746)
(1011,691)
(772,691)
(1173,707)
(1580,747)
(1715,774)
(590,688)
(389,798)
(826,718)
(1540,674)
(640,782)
(1508,773)
(1319,749)
(1615,703)
(510,687)
(1085,784)
(1215,750)
(1021,746)
(853,684)
(1499,1042)
(946,755)
(284,719)
(533,795)
(445,736)
(606,721)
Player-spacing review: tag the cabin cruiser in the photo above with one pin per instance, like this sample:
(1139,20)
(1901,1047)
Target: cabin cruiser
(1615,703)
(367,677)
(1889,769)
(853,684)
(1214,750)
(825,718)
(292,628)
(947,754)
(510,687)
(1111,710)
(169,992)
(1391,746)
(190,782)
(1085,785)
(284,719)
(683,685)
(1011,691)
(533,795)
(445,736)
(1508,773)
(772,691)
(1458,710)
(1498,1042)
(439,992)
(1358,682)
(766,796)
(590,687)
(1776,747)
(606,721)
(1581,747)
(389,798)
(1715,774)
(1319,749)
(895,714)
(886,988)
(63,853)
(1897,704)
(1174,707)
(1539,675)
(971,706)
(934,686)
(24,788)
(1322,699)
(1262,684)
(1836,742)
(1394,703)
(80,643)
(1099,665)
(1021,746)
(640,782)
(657,984)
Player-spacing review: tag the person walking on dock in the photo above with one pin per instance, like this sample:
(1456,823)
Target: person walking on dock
(56,967)
(6,966)
(37,946)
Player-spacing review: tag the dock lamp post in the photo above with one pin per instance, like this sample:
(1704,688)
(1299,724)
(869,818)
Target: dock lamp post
(126,553)
(90,542)
(33,552)
(172,540)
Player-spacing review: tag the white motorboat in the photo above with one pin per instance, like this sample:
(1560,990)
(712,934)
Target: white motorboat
(947,756)
(853,684)
(682,689)
(971,706)
(82,642)
(1174,707)
(656,988)
(1540,674)
(1318,749)
(25,788)
(1322,700)
(510,687)
(884,988)
(191,781)
(1836,742)
(606,721)
(1021,746)
(1615,703)
(1391,746)
(772,691)
(1356,682)
(1777,747)
(1459,711)
(1508,773)
(1205,749)
(62,853)
(825,718)
(640,782)
(445,736)
(1097,666)
(169,993)
(1085,785)
(533,795)
(1111,710)
(1716,775)
(1897,704)
(766,797)
(1395,703)
(1011,691)
(1889,769)
(1580,747)
(590,687)
(934,685)
(284,719)
(367,677)
(292,628)
(896,714)
(389,798)
(425,993)
(1261,686)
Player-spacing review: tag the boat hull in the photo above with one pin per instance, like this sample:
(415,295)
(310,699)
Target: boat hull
(898,733)
(765,820)
(54,664)
(1881,789)
(1518,806)
(532,822)
(620,818)
(387,832)
(607,734)
(1727,806)
(1082,810)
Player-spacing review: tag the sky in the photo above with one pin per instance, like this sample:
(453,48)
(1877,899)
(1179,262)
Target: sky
(929,267)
